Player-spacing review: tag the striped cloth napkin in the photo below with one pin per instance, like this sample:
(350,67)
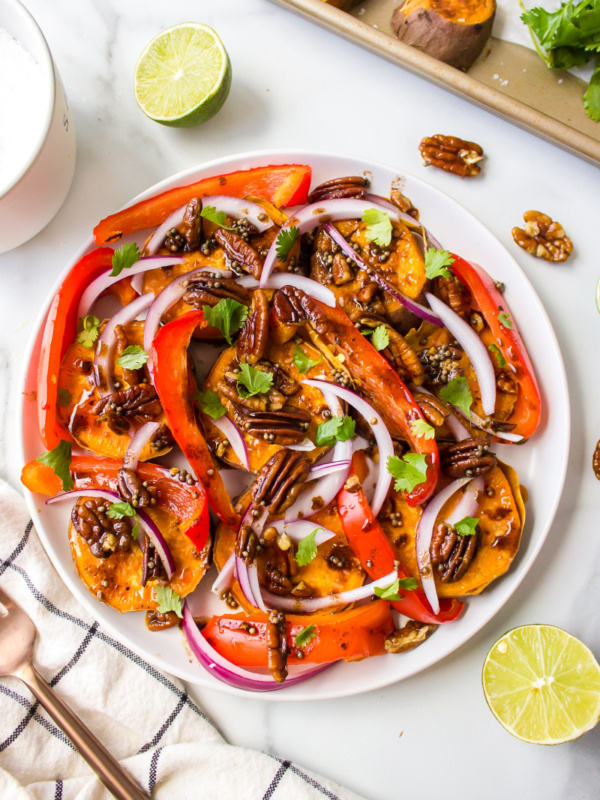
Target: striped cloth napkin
(144,717)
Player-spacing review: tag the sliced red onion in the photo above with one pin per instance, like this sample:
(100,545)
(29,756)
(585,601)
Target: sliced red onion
(243,578)
(235,438)
(484,425)
(225,671)
(225,577)
(160,234)
(320,470)
(508,436)
(468,503)
(137,444)
(424,313)
(380,431)
(316,214)
(457,429)
(424,536)
(303,527)
(96,287)
(147,525)
(281,279)
(255,586)
(475,349)
(304,446)
(314,604)
(137,281)
(105,349)
(382,201)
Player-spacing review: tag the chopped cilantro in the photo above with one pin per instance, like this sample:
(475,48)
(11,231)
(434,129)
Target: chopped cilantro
(167,600)
(421,428)
(337,428)
(408,471)
(305,635)
(380,338)
(64,398)
(252,381)
(124,257)
(458,394)
(307,549)
(504,319)
(500,360)
(286,239)
(437,263)
(209,403)
(392,592)
(59,461)
(228,316)
(120,510)
(218,217)
(88,330)
(133,357)
(379,226)
(467,526)
(302,362)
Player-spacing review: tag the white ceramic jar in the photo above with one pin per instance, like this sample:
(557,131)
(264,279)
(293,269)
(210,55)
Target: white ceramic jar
(35,194)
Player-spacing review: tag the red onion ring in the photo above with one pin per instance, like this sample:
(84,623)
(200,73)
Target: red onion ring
(158,237)
(243,578)
(280,279)
(105,349)
(304,446)
(225,671)
(255,587)
(137,444)
(225,577)
(235,438)
(301,528)
(457,429)
(468,503)
(320,470)
(405,218)
(407,302)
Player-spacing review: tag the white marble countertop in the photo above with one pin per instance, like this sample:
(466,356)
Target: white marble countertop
(297,86)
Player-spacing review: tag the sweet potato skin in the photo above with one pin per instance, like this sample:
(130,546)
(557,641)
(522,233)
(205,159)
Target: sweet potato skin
(452,36)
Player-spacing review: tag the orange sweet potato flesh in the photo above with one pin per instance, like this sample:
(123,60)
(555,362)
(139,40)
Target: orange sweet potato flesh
(453,31)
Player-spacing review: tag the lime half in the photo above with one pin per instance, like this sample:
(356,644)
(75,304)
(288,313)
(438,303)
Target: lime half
(542,684)
(183,76)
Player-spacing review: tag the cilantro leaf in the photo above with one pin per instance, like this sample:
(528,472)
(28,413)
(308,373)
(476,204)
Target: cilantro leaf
(120,510)
(458,394)
(467,526)
(505,320)
(409,471)
(59,461)
(252,381)
(167,600)
(305,635)
(337,428)
(500,360)
(392,592)
(218,217)
(64,398)
(379,226)
(135,531)
(302,362)
(124,257)
(380,338)
(421,428)
(591,98)
(88,330)
(228,316)
(307,549)
(210,403)
(437,263)
(133,357)
(286,239)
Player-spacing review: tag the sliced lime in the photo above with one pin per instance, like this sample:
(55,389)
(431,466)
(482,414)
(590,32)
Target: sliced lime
(183,76)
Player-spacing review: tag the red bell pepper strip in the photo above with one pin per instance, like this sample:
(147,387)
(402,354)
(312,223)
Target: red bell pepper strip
(186,503)
(349,636)
(371,546)
(386,390)
(527,413)
(282,185)
(59,332)
(171,380)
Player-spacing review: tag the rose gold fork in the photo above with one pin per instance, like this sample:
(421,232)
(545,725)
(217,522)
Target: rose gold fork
(17,635)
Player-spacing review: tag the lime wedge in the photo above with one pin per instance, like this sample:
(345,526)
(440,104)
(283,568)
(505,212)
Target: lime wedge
(183,76)
(542,684)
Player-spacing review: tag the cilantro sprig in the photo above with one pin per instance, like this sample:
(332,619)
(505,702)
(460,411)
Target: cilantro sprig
(392,592)
(228,316)
(335,429)
(380,337)
(286,239)
(302,362)
(210,403)
(305,635)
(122,509)
(59,461)
(422,429)
(467,526)
(437,263)
(307,549)
(378,226)
(495,350)
(457,393)
(505,320)
(133,357)
(88,330)
(408,471)
(167,600)
(252,381)
(124,258)
(219,218)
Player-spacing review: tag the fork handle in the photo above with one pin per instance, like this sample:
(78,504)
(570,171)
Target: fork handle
(105,765)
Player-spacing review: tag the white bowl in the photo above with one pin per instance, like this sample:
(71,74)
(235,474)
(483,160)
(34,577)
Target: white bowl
(34,195)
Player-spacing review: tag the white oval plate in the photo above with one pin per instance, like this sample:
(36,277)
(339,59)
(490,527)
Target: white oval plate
(541,463)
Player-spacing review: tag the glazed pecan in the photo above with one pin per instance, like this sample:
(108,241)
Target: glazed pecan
(253,338)
(247,540)
(152,566)
(192,224)
(162,439)
(506,382)
(278,648)
(467,459)
(155,621)
(406,360)
(239,251)
(139,403)
(543,238)
(280,480)
(353,186)
(293,306)
(284,427)
(341,271)
(207,288)
(277,582)
(454,294)
(434,411)
(596,460)
(403,203)
(131,488)
(103,534)
(367,293)
(451,154)
(451,554)
(409,636)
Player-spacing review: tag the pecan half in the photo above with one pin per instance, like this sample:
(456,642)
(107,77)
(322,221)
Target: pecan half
(207,288)
(103,535)
(192,224)
(451,154)
(131,488)
(292,306)
(353,186)
(596,460)
(403,203)
(155,621)
(278,648)
(152,566)
(406,360)
(253,338)
(434,411)
(277,581)
(284,427)
(280,480)
(409,636)
(543,238)
(454,294)
(468,458)
(451,554)
(139,403)
(239,251)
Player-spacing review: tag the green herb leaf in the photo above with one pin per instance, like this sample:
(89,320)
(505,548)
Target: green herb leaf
(305,635)
(88,330)
(302,362)
(307,549)
(64,397)
(591,98)
(380,338)
(135,531)
(504,319)
(210,403)
(409,471)
(392,592)
(421,428)
(379,226)
(337,428)
(228,316)
(467,526)
(218,217)
(59,461)
(252,381)
(133,357)
(437,263)
(458,394)
(120,510)
(286,239)
(167,600)
(500,360)
(124,257)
